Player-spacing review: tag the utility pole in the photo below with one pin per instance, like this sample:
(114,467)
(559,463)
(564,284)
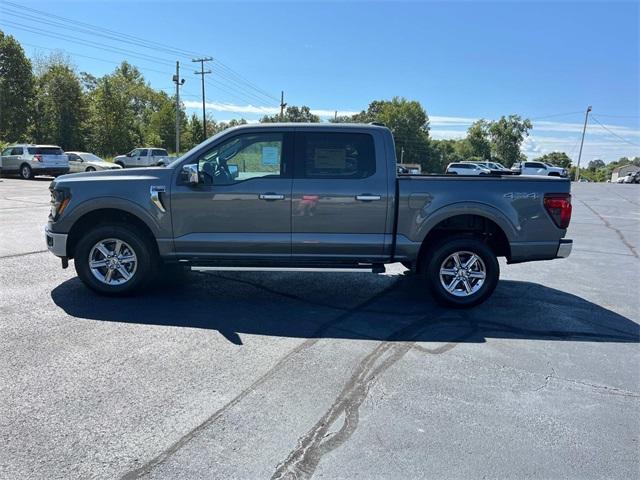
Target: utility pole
(282,105)
(178,81)
(401,155)
(202,73)
(584,129)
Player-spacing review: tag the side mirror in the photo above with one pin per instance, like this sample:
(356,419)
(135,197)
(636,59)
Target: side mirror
(190,174)
(233,170)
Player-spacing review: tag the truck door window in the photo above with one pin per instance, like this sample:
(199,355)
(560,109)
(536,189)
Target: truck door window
(143,152)
(335,155)
(252,155)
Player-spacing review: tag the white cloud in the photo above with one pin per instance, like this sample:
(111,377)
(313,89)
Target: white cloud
(546,136)
(252,109)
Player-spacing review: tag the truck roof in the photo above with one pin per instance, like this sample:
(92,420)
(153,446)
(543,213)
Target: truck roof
(309,125)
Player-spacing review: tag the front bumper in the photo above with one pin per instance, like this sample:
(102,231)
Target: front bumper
(564,249)
(56,243)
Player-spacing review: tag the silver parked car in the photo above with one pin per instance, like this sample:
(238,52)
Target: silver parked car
(30,160)
(466,168)
(88,162)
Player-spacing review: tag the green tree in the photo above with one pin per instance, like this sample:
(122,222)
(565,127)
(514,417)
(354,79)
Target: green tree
(111,120)
(558,159)
(293,114)
(478,141)
(409,123)
(16,90)
(595,165)
(507,135)
(60,110)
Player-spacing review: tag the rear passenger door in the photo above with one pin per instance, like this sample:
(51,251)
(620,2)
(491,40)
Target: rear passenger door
(340,197)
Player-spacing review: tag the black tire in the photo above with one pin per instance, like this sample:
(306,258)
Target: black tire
(90,169)
(147,262)
(25,172)
(442,252)
(120,163)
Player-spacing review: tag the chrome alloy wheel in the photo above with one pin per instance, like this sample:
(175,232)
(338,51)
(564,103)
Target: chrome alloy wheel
(112,261)
(462,273)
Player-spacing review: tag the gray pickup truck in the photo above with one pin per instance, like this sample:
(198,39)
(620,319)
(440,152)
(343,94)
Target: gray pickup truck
(304,195)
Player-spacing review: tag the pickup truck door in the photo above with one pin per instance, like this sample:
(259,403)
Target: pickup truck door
(242,206)
(142,159)
(340,196)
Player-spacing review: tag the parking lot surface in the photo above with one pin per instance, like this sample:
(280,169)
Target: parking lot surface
(324,375)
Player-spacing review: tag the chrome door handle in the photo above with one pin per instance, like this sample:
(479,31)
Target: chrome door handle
(367,198)
(271,196)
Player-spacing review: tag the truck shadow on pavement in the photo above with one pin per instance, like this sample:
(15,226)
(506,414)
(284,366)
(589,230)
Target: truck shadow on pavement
(358,306)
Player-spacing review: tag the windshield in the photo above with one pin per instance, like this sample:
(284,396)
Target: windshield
(195,149)
(45,151)
(90,157)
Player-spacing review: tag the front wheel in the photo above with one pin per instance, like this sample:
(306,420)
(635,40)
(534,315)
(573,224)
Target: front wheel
(90,169)
(115,259)
(462,272)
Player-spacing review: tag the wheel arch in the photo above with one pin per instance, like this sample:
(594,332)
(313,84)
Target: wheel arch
(496,232)
(108,215)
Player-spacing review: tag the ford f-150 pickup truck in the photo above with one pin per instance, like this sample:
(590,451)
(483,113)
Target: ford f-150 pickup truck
(304,195)
(143,157)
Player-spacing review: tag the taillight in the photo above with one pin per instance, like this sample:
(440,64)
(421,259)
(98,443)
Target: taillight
(37,157)
(559,207)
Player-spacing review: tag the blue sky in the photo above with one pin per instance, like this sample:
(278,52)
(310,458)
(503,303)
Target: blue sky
(462,60)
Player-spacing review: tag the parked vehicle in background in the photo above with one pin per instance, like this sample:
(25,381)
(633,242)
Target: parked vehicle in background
(539,168)
(467,168)
(88,162)
(309,195)
(631,177)
(492,166)
(29,160)
(144,157)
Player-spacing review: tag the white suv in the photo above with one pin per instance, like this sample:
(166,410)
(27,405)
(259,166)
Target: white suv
(539,168)
(465,168)
(30,160)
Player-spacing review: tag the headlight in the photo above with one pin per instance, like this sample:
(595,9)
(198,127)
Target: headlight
(60,198)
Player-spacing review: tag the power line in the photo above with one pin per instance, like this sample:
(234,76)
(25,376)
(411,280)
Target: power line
(132,40)
(553,115)
(79,41)
(615,134)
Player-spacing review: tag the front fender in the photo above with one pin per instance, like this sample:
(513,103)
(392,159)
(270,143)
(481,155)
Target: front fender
(155,223)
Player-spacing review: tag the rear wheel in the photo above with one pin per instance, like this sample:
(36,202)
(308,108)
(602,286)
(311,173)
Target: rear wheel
(90,169)
(115,259)
(25,172)
(462,272)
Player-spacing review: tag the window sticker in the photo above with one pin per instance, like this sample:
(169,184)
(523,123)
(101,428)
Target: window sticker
(270,155)
(334,158)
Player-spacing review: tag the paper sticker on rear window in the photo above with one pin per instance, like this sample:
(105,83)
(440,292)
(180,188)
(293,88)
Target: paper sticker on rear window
(333,158)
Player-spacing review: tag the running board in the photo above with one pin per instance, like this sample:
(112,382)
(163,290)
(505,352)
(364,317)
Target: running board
(364,268)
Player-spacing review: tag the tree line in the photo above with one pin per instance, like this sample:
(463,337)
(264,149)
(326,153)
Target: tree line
(47,101)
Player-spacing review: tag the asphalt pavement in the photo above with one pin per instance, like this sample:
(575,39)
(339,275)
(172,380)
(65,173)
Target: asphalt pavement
(326,375)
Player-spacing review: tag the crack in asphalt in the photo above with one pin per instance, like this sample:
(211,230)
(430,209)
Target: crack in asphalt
(302,462)
(631,248)
(14,255)
(603,389)
(185,439)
